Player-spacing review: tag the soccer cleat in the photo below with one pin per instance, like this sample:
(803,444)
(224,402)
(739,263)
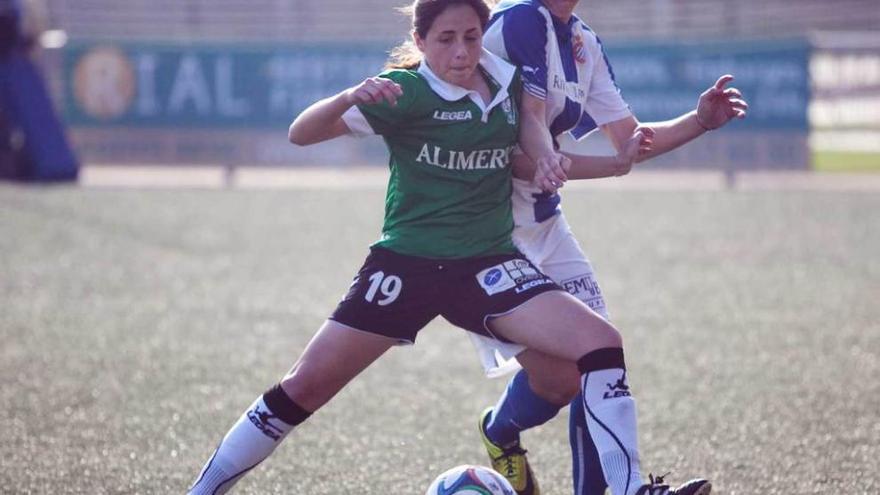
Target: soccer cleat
(656,486)
(511,462)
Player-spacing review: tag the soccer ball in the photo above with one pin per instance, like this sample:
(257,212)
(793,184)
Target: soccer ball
(470,480)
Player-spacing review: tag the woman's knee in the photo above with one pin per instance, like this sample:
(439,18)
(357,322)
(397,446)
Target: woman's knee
(334,356)
(596,334)
(306,389)
(555,380)
(604,335)
(312,386)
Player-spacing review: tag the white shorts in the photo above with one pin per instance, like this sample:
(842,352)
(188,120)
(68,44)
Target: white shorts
(553,248)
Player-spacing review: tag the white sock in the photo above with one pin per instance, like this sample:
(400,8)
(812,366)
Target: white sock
(611,421)
(253,438)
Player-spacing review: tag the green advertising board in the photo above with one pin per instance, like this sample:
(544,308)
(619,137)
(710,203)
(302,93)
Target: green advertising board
(202,102)
(661,81)
(206,86)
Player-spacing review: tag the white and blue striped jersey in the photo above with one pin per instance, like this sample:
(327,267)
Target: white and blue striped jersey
(563,64)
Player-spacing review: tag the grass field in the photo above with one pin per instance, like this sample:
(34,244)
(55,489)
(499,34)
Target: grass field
(138,324)
(846,161)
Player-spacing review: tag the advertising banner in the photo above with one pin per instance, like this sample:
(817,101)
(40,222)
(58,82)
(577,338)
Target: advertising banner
(172,103)
(662,81)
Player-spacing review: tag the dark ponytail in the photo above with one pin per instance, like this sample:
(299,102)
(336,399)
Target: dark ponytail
(423,13)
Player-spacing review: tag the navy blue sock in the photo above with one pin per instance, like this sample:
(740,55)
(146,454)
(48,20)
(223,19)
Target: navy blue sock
(518,409)
(586,469)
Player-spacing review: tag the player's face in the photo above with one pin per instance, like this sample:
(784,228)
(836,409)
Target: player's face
(453,45)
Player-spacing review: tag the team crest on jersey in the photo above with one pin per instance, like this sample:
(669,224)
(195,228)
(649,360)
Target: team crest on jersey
(509,111)
(580,51)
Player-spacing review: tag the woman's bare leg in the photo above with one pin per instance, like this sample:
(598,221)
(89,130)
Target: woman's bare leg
(560,326)
(335,355)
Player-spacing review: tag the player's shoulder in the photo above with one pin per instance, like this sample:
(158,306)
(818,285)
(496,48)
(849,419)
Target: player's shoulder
(416,92)
(412,83)
(589,36)
(506,5)
(404,77)
(520,12)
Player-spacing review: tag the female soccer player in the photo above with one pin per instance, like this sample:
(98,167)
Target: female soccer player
(567,81)
(449,115)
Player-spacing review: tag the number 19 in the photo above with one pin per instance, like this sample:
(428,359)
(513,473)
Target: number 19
(389,286)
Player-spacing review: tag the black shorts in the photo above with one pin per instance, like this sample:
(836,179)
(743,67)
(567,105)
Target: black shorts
(397,295)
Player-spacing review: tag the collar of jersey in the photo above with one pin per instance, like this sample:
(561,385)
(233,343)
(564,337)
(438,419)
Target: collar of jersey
(500,70)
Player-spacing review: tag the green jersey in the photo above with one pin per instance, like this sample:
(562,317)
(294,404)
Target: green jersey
(450,185)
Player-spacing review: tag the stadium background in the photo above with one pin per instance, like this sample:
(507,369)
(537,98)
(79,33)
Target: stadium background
(142,308)
(216,82)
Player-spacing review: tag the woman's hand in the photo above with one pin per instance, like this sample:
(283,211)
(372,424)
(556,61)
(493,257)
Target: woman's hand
(552,172)
(718,106)
(372,91)
(639,144)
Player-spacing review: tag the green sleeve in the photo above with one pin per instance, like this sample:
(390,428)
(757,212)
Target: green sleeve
(384,118)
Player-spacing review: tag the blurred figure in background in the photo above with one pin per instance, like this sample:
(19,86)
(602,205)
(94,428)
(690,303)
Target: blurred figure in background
(11,158)
(32,142)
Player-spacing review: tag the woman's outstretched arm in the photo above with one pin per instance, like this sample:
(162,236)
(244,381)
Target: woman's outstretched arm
(716,107)
(322,120)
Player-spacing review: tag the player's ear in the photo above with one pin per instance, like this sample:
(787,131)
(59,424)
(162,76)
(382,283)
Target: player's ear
(419,42)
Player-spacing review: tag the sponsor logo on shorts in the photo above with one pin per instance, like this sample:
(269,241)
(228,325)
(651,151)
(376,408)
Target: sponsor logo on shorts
(495,279)
(534,283)
(492,277)
(585,288)
(514,274)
